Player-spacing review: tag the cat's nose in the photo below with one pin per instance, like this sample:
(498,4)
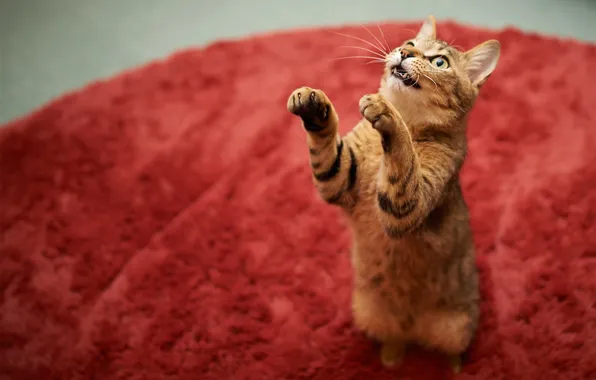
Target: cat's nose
(408,52)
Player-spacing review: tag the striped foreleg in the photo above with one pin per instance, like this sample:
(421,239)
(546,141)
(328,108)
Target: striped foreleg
(333,161)
(412,177)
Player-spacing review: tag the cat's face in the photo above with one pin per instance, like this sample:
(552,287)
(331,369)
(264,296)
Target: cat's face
(427,72)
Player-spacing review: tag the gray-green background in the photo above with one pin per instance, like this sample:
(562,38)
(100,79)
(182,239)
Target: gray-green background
(48,47)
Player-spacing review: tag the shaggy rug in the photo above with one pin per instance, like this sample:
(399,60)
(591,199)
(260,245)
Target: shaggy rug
(162,224)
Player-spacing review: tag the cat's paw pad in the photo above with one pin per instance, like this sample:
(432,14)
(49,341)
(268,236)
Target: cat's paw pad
(376,110)
(311,105)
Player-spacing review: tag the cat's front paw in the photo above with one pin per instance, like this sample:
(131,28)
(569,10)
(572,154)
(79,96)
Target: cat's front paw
(377,110)
(312,106)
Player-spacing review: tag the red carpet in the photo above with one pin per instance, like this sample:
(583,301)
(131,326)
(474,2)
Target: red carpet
(163,224)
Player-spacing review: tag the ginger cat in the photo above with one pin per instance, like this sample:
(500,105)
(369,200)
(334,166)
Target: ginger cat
(396,176)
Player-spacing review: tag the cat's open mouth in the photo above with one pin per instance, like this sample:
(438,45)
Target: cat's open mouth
(400,73)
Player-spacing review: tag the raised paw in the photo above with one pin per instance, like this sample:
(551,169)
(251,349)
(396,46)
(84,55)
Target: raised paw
(377,110)
(312,106)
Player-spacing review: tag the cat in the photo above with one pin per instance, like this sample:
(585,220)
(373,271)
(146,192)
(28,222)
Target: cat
(396,177)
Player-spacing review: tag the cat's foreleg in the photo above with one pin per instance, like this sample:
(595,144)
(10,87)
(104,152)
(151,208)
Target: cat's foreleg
(332,160)
(412,177)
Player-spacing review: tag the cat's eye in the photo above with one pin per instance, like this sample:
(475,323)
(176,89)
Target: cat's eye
(410,43)
(439,62)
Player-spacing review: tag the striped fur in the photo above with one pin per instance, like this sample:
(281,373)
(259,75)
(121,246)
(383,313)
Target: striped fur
(334,162)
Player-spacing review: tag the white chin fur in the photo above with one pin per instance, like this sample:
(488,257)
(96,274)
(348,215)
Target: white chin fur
(395,84)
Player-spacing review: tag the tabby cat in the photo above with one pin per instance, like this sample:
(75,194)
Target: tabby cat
(396,176)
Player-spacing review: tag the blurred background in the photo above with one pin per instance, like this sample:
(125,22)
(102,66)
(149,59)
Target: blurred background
(48,47)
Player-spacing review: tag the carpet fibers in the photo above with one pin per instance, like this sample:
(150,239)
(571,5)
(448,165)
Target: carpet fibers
(162,224)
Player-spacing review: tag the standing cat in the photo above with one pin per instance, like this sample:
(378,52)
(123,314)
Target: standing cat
(396,176)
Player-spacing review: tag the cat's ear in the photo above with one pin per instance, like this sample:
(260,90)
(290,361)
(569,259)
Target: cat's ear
(428,31)
(482,60)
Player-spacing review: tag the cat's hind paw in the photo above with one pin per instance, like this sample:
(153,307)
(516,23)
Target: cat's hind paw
(392,353)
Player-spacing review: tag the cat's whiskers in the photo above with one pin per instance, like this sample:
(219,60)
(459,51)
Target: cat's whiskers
(384,39)
(461,109)
(372,59)
(416,80)
(430,79)
(375,37)
(365,49)
(436,88)
(417,73)
(379,49)
(432,69)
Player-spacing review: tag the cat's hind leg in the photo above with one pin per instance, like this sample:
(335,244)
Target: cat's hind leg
(373,317)
(392,352)
(450,332)
(455,361)
(334,163)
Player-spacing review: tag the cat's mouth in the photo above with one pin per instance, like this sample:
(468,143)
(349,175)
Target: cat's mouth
(400,73)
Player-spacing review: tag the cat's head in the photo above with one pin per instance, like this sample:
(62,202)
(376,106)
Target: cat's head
(426,78)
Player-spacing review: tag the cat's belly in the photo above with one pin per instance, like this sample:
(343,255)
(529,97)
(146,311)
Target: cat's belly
(384,298)
(392,284)
(382,263)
